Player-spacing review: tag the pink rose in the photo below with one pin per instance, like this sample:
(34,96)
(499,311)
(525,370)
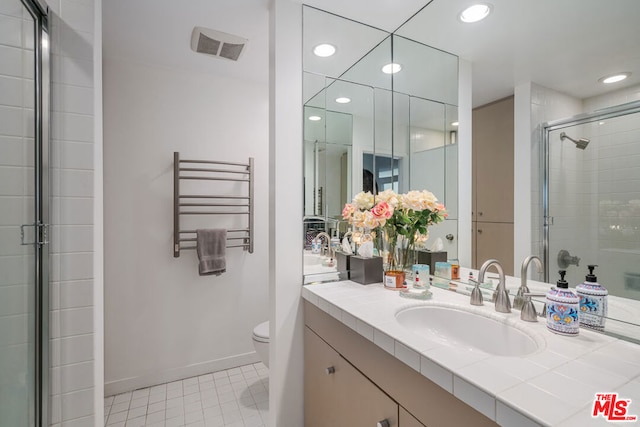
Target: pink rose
(382,210)
(442,210)
(348,211)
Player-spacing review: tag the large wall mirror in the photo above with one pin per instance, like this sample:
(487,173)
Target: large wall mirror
(368,128)
(521,45)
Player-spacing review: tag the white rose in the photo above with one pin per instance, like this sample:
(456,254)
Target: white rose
(390,197)
(429,200)
(412,200)
(370,221)
(363,200)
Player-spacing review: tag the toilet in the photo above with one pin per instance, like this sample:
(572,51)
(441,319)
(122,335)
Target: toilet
(261,341)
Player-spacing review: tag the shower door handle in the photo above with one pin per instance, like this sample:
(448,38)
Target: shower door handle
(40,234)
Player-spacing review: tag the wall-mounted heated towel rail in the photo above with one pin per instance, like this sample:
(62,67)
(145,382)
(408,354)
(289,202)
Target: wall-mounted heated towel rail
(212,204)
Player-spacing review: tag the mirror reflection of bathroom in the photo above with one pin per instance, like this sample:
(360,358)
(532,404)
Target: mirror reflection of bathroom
(593,217)
(508,221)
(380,173)
(369,126)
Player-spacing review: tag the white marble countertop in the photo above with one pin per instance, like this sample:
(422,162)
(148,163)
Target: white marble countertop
(556,385)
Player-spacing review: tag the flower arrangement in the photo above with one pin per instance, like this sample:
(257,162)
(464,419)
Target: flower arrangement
(403,219)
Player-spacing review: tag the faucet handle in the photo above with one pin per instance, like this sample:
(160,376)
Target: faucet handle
(476,293)
(529,313)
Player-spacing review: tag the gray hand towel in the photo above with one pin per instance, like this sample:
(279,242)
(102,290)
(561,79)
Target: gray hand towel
(211,245)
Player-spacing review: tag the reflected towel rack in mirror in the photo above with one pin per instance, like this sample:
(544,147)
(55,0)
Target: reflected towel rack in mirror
(182,205)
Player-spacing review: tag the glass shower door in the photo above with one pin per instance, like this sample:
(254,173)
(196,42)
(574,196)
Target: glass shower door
(22,270)
(593,217)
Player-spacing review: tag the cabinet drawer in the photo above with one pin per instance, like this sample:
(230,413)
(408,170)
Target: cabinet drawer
(337,394)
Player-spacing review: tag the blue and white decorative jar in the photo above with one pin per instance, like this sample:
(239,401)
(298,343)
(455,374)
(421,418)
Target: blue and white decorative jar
(562,309)
(593,302)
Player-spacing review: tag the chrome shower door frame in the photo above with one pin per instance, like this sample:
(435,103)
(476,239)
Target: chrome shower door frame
(42,46)
(545,130)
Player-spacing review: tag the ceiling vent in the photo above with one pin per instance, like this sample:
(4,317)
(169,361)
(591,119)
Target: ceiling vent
(217,43)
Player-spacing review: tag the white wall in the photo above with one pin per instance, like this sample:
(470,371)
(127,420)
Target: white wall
(75,295)
(286,353)
(162,320)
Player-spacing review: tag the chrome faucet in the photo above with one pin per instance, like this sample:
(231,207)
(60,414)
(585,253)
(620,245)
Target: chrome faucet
(503,303)
(327,239)
(519,300)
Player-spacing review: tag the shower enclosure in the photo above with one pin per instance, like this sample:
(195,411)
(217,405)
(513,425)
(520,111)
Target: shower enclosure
(591,198)
(24,94)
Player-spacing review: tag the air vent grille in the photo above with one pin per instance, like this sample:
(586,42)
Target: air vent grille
(217,43)
(207,45)
(231,51)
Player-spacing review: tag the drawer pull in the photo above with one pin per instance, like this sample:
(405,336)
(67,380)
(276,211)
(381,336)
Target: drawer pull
(383,423)
(330,370)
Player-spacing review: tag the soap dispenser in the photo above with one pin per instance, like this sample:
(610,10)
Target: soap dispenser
(562,309)
(593,302)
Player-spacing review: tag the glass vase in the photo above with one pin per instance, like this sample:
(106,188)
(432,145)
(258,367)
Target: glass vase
(394,259)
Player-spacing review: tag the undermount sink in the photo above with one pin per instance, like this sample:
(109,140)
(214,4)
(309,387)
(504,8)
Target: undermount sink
(466,330)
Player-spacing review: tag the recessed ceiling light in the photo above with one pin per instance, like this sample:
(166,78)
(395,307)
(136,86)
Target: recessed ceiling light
(343,100)
(614,78)
(391,68)
(324,50)
(315,118)
(454,123)
(601,123)
(475,13)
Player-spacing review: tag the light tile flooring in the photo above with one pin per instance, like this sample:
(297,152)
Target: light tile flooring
(236,397)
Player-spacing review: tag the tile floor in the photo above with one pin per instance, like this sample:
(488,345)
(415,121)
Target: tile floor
(237,397)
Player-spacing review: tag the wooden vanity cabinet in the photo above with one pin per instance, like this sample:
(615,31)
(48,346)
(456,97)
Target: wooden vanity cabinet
(336,394)
(408,420)
(368,385)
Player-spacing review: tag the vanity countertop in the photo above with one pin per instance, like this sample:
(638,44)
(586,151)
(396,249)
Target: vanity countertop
(556,385)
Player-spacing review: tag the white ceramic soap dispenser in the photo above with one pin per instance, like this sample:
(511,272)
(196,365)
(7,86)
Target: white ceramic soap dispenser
(562,309)
(593,302)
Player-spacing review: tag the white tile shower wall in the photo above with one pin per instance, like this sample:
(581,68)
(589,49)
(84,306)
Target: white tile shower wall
(72,198)
(616,195)
(618,97)
(16,190)
(163,321)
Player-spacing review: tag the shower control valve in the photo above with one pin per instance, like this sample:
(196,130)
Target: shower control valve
(565,259)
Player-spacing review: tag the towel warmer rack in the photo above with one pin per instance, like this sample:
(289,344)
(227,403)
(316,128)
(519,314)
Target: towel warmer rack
(182,205)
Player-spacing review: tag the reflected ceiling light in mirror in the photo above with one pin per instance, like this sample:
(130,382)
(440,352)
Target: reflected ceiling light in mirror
(343,100)
(454,123)
(315,118)
(475,13)
(614,78)
(324,50)
(391,68)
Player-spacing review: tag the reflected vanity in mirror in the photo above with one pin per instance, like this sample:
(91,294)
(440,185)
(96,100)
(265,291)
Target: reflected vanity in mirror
(403,129)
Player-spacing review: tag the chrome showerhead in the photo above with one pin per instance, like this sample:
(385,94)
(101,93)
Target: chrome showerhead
(581,143)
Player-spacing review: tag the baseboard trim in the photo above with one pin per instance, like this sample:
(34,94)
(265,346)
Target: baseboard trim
(129,384)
